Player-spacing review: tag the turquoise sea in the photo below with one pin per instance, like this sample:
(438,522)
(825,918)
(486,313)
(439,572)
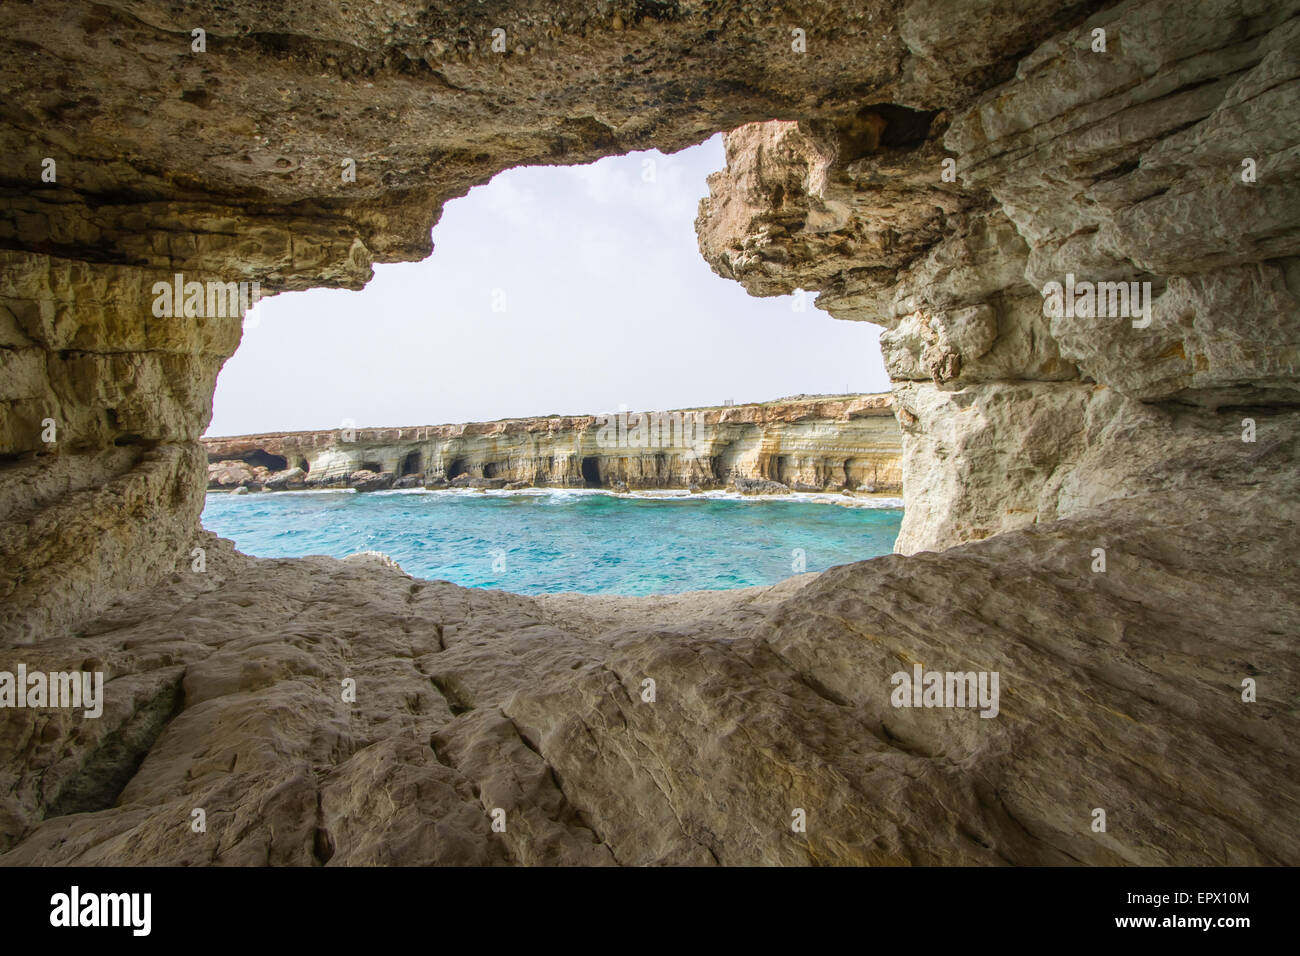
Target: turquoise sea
(538,542)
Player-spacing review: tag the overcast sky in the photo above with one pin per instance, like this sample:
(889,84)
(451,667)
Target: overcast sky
(606,298)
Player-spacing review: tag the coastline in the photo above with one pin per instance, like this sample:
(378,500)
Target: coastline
(843,499)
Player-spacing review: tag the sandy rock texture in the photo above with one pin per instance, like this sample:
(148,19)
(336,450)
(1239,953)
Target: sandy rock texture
(806,443)
(926,165)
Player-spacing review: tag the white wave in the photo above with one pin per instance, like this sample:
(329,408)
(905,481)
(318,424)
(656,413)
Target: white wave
(660,494)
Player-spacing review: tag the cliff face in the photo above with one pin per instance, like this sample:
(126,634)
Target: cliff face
(808,444)
(1113,490)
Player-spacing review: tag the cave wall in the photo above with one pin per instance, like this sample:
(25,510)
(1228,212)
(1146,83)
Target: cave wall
(1115,165)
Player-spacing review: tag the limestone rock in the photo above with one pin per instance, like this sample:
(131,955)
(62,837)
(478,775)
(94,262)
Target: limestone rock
(371,481)
(1033,445)
(759,486)
(287,479)
(819,441)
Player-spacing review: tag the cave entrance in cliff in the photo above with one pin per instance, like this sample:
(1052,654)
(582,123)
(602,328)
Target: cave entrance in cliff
(267,460)
(591,472)
(410,465)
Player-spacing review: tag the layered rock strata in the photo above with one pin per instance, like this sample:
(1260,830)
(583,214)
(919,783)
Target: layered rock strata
(841,443)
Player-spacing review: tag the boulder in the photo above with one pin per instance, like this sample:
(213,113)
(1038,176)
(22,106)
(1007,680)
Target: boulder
(371,481)
(289,478)
(470,481)
(228,474)
(760,486)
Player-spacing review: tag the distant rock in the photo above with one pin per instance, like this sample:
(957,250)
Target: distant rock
(469,481)
(228,474)
(320,480)
(826,441)
(518,485)
(371,481)
(409,481)
(760,486)
(289,478)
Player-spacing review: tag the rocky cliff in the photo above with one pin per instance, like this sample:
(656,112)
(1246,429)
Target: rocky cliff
(840,443)
(1123,151)
(1108,481)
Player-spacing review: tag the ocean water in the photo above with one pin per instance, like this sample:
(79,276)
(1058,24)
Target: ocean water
(540,542)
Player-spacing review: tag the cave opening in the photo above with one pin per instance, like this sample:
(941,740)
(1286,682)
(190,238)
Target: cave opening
(490,388)
(267,460)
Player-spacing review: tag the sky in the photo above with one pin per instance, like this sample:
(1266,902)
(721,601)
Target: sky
(552,290)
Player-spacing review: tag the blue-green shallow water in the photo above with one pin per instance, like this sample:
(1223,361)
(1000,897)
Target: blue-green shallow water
(561,541)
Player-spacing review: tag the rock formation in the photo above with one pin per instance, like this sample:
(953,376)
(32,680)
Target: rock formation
(802,444)
(1110,497)
(1129,155)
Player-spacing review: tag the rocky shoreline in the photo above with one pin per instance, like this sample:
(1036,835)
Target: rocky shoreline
(847,444)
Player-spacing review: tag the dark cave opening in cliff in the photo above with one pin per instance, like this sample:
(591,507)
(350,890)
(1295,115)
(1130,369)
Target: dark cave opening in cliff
(267,460)
(591,472)
(411,464)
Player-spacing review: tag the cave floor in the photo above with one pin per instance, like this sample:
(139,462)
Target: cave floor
(1119,691)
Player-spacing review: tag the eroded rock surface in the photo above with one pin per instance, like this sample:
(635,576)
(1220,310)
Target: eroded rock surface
(1118,690)
(1127,164)
(1030,441)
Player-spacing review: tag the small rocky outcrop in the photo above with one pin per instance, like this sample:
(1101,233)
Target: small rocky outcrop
(759,486)
(371,481)
(287,480)
(473,481)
